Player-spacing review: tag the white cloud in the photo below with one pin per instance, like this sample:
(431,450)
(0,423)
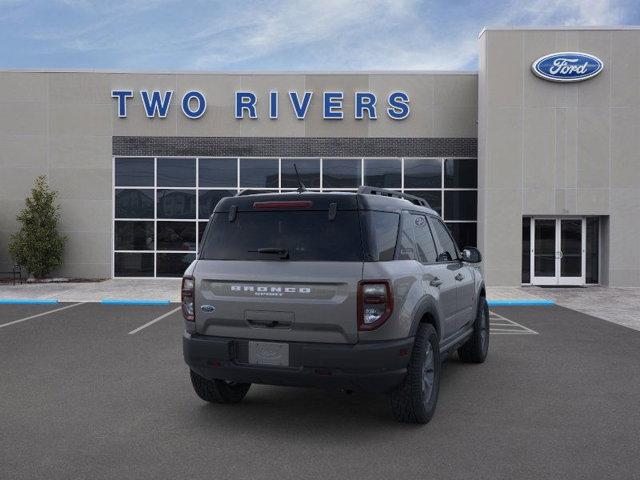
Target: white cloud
(302,34)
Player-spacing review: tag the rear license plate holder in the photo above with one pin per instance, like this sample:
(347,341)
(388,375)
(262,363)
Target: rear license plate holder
(269,353)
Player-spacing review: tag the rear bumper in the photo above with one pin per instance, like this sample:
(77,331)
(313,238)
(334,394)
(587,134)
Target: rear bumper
(371,367)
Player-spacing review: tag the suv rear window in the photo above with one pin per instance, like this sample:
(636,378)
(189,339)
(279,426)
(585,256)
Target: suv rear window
(305,235)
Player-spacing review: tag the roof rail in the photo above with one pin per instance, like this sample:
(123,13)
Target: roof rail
(249,191)
(383,192)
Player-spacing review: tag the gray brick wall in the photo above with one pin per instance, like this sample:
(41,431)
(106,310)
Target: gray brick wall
(294,146)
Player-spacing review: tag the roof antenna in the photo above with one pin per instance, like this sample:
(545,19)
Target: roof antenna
(301,187)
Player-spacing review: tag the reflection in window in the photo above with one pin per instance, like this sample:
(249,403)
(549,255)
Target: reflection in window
(385,173)
(176,235)
(340,173)
(422,173)
(133,264)
(134,172)
(208,199)
(259,173)
(173,264)
(460,205)
(460,173)
(134,203)
(133,236)
(176,203)
(218,172)
(308,168)
(176,172)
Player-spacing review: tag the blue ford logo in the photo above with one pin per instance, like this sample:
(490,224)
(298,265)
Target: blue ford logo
(567,66)
(207,308)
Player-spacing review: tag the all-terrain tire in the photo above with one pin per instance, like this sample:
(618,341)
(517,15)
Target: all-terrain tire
(414,401)
(476,348)
(218,391)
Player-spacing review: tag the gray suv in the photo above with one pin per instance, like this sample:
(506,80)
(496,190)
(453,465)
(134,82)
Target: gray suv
(354,291)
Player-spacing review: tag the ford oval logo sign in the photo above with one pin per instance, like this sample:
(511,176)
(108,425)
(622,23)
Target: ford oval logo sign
(567,66)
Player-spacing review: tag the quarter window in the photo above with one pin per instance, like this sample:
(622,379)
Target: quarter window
(424,241)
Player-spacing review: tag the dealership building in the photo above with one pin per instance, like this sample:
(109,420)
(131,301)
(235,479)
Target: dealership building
(533,158)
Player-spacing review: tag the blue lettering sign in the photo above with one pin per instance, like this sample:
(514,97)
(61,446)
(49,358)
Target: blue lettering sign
(398,105)
(365,101)
(122,96)
(200,100)
(156,105)
(332,105)
(246,101)
(273,105)
(300,108)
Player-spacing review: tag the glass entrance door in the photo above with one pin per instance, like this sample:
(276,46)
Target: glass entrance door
(558,251)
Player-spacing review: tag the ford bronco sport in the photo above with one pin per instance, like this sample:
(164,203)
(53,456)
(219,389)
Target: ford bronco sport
(354,291)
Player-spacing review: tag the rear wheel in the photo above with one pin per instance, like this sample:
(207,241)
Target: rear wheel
(218,391)
(415,400)
(476,348)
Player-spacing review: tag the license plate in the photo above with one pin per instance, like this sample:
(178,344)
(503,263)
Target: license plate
(269,353)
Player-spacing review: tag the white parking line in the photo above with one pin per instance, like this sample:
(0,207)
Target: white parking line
(507,327)
(165,315)
(40,314)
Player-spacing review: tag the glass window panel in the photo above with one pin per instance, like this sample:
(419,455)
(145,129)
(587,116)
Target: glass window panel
(460,205)
(309,169)
(448,250)
(134,172)
(544,261)
(173,264)
(422,173)
(424,240)
(340,173)
(134,203)
(433,198)
(218,172)
(176,236)
(383,233)
(407,248)
(208,199)
(593,240)
(385,173)
(465,234)
(201,227)
(460,173)
(259,172)
(526,250)
(133,264)
(133,236)
(176,172)
(176,203)
(571,248)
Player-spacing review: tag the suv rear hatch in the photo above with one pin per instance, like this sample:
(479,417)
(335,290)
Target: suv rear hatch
(281,267)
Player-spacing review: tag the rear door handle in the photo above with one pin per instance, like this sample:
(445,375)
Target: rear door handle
(436,282)
(459,277)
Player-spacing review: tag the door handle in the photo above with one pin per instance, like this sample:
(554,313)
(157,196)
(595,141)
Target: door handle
(459,277)
(436,282)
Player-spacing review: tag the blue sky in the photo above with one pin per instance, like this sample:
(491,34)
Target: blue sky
(274,35)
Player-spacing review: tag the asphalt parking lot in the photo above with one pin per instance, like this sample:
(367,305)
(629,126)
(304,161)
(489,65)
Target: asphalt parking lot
(84,398)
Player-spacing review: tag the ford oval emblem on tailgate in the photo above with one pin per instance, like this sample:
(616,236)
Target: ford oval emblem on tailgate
(567,66)
(208,308)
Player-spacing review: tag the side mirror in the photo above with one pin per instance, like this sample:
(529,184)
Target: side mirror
(471,255)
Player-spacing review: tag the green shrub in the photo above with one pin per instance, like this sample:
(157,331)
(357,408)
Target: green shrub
(38,246)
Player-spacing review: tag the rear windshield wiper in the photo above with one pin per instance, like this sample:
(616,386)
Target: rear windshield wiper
(283,252)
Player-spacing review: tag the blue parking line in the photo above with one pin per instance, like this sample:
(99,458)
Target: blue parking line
(114,301)
(28,301)
(520,303)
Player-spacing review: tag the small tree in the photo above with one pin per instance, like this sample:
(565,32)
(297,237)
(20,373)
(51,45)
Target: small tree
(38,246)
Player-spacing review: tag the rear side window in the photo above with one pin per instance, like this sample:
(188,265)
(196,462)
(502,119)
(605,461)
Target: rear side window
(383,234)
(448,250)
(424,241)
(406,244)
(305,235)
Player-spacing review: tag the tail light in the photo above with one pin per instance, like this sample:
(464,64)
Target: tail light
(375,303)
(188,305)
